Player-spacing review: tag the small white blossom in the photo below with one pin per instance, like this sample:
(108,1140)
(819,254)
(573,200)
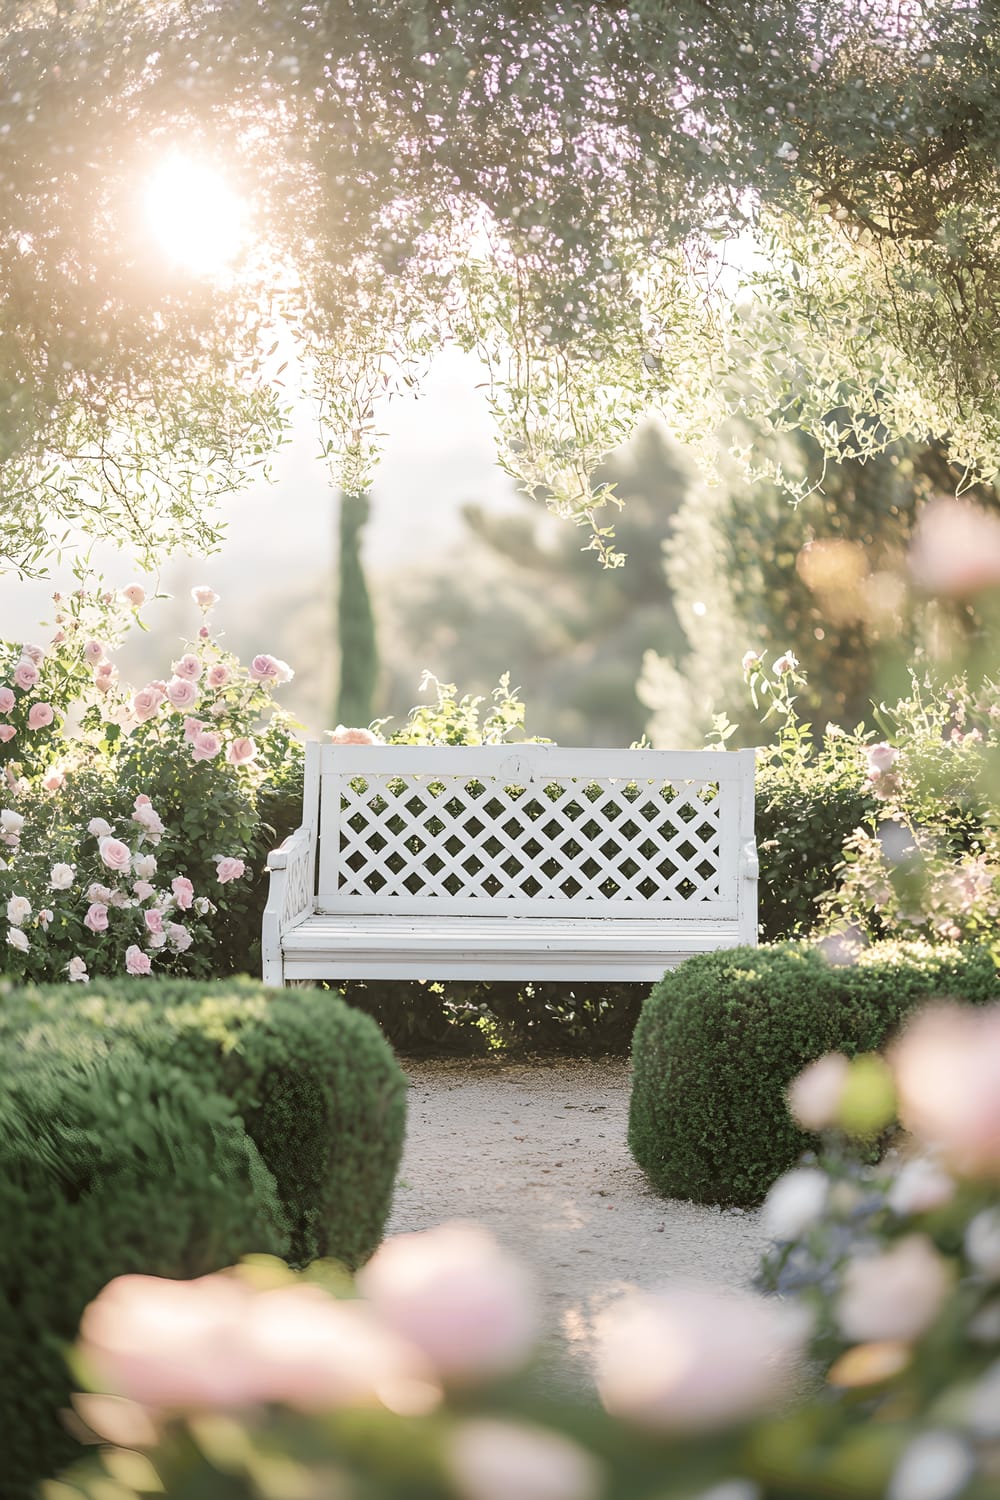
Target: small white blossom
(18,939)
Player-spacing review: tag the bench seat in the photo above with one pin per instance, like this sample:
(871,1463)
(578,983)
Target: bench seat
(577,948)
(511,862)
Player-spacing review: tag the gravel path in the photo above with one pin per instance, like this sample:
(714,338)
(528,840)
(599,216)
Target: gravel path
(536,1151)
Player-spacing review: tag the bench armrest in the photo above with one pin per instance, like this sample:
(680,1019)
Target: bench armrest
(291,894)
(749,863)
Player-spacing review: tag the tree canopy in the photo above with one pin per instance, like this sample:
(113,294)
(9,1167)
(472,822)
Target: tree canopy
(557,185)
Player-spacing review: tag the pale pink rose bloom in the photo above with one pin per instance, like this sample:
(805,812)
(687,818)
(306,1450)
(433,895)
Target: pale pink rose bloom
(157,940)
(786,663)
(148,818)
(750,659)
(137,962)
(18,910)
(53,780)
(18,939)
(153,920)
(241,751)
(115,854)
(7,700)
(105,676)
(982,1245)
(229,869)
(144,865)
(496,1460)
(206,745)
(77,971)
(270,669)
(880,757)
(144,890)
(179,937)
(457,1296)
(183,892)
(61,877)
(192,728)
(204,597)
(146,703)
(40,715)
(99,827)
(134,594)
(97,917)
(795,1203)
(947,1070)
(182,692)
(99,893)
(344,736)
(814,1095)
(955,548)
(218,676)
(142,801)
(10,821)
(894,1295)
(919,1187)
(686,1360)
(188,668)
(33,653)
(93,652)
(25,675)
(7,732)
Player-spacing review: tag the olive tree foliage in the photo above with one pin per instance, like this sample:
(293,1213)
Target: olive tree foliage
(554,185)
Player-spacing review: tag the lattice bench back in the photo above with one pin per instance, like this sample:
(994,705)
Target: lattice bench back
(531,830)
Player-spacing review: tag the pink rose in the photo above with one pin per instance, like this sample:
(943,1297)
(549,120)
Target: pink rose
(33,653)
(105,676)
(146,703)
(192,728)
(179,937)
(814,1095)
(182,692)
(142,801)
(153,920)
(452,1292)
(947,1068)
(137,962)
(183,892)
(148,819)
(218,675)
(25,675)
(786,663)
(144,890)
(895,1295)
(99,893)
(270,670)
(97,917)
(53,780)
(206,745)
(93,652)
(40,715)
(134,594)
(99,827)
(116,855)
(188,668)
(203,633)
(204,597)
(7,700)
(229,869)
(241,751)
(343,736)
(495,1460)
(7,732)
(880,758)
(955,548)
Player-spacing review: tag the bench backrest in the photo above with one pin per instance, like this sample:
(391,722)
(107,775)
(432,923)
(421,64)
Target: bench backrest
(530,830)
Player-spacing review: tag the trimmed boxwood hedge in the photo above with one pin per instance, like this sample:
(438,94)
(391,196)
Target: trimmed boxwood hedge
(108,1165)
(316,1084)
(721,1037)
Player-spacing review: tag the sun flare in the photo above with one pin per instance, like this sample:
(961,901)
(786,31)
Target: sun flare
(194,215)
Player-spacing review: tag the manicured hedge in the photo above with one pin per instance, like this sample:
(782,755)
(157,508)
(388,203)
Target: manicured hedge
(108,1164)
(721,1037)
(316,1084)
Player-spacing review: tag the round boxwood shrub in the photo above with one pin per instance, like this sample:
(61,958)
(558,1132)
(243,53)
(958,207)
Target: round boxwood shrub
(108,1165)
(315,1082)
(721,1037)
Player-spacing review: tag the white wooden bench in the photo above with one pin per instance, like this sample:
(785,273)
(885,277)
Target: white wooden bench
(511,862)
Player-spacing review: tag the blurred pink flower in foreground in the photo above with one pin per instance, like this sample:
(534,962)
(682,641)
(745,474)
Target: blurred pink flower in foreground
(814,1095)
(947,1067)
(344,736)
(493,1460)
(216,1342)
(455,1294)
(694,1359)
(955,548)
(895,1295)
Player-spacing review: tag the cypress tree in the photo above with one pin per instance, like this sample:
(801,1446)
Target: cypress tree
(355,619)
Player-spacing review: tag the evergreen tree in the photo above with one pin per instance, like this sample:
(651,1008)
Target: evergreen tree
(355,619)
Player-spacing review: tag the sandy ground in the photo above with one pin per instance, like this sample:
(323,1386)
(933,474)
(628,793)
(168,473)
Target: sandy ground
(536,1151)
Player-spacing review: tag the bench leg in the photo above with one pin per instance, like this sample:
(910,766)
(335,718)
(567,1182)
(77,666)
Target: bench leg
(273,971)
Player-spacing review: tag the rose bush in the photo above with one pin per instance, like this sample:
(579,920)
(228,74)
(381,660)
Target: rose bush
(132,820)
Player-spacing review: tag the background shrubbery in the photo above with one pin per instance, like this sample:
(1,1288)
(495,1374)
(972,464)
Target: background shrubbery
(720,1039)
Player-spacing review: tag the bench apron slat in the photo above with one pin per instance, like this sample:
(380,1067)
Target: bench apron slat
(523,861)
